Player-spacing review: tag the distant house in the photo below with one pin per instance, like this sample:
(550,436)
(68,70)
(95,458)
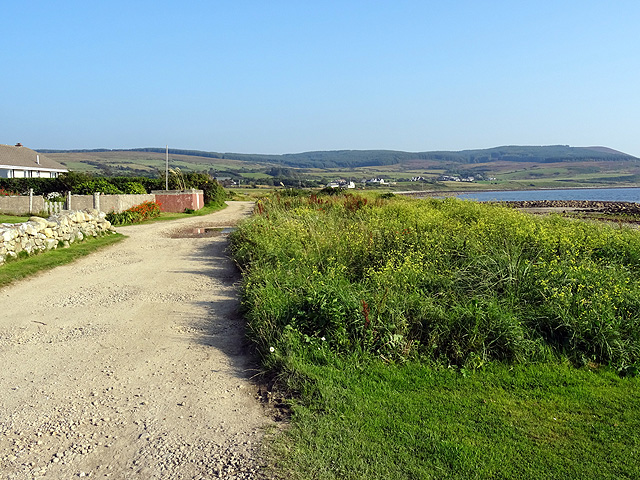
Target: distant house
(226,181)
(22,162)
(341,184)
(376,180)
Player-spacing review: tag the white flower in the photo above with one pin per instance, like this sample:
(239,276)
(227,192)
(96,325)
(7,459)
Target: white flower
(323,339)
(271,349)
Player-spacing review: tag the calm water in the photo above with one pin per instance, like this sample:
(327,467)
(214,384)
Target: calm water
(603,194)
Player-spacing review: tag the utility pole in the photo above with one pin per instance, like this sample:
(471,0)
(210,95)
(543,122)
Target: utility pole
(166,172)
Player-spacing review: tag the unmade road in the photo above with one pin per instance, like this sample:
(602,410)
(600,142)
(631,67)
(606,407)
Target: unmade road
(131,363)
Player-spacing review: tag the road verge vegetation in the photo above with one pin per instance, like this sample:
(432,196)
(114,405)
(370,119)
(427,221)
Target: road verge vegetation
(137,214)
(444,338)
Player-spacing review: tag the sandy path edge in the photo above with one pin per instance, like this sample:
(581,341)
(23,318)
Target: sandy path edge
(131,363)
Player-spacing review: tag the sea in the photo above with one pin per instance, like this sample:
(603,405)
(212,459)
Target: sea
(597,194)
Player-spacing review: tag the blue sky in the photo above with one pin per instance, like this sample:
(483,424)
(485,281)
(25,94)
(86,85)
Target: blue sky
(291,76)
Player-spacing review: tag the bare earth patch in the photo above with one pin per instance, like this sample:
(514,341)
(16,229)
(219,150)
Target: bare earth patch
(131,363)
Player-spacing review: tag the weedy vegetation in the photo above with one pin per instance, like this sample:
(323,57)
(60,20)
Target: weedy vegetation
(444,338)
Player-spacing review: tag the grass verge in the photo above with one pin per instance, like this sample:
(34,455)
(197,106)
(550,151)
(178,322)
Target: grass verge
(13,219)
(413,421)
(24,267)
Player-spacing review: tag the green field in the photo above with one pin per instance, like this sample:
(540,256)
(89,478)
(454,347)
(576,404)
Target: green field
(443,338)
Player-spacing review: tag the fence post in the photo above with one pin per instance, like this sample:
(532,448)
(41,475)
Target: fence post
(96,200)
(30,201)
(68,200)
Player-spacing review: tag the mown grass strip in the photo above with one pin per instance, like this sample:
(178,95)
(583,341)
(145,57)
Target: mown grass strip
(13,219)
(419,422)
(25,267)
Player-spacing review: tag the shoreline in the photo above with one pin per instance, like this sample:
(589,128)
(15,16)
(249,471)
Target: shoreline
(491,190)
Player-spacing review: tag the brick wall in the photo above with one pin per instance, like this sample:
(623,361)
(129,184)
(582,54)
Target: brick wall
(178,200)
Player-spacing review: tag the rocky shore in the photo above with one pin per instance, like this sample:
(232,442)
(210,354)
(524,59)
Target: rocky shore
(612,208)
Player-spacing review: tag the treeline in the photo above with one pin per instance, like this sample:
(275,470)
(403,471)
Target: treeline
(87,184)
(367,158)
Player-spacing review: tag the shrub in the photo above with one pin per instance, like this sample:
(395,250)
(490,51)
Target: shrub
(92,186)
(214,194)
(40,186)
(137,214)
(6,193)
(133,188)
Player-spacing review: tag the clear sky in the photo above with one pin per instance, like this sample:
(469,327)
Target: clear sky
(292,76)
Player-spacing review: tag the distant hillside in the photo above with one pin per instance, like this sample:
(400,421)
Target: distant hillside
(369,158)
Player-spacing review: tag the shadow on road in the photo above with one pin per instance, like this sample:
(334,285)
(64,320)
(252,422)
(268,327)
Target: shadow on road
(222,326)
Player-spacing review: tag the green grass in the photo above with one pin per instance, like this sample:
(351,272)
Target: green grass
(444,338)
(255,175)
(25,267)
(373,421)
(80,167)
(13,218)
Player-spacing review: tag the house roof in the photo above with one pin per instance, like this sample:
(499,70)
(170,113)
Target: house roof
(27,159)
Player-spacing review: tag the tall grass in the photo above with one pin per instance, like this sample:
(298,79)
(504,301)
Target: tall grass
(451,281)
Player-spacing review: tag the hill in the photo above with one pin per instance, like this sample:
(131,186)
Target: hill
(507,167)
(370,158)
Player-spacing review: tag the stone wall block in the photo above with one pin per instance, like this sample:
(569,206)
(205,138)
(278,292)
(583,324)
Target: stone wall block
(40,234)
(39,222)
(7,235)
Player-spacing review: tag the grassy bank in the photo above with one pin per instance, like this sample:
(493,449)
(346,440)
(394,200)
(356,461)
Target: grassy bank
(25,267)
(444,339)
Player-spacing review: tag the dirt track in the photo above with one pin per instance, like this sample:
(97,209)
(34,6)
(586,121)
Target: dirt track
(131,363)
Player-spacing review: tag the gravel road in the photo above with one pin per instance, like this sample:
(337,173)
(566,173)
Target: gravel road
(131,363)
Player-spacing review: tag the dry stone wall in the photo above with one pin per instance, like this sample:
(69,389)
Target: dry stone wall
(45,234)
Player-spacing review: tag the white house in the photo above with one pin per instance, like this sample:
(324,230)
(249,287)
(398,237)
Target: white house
(22,162)
(341,184)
